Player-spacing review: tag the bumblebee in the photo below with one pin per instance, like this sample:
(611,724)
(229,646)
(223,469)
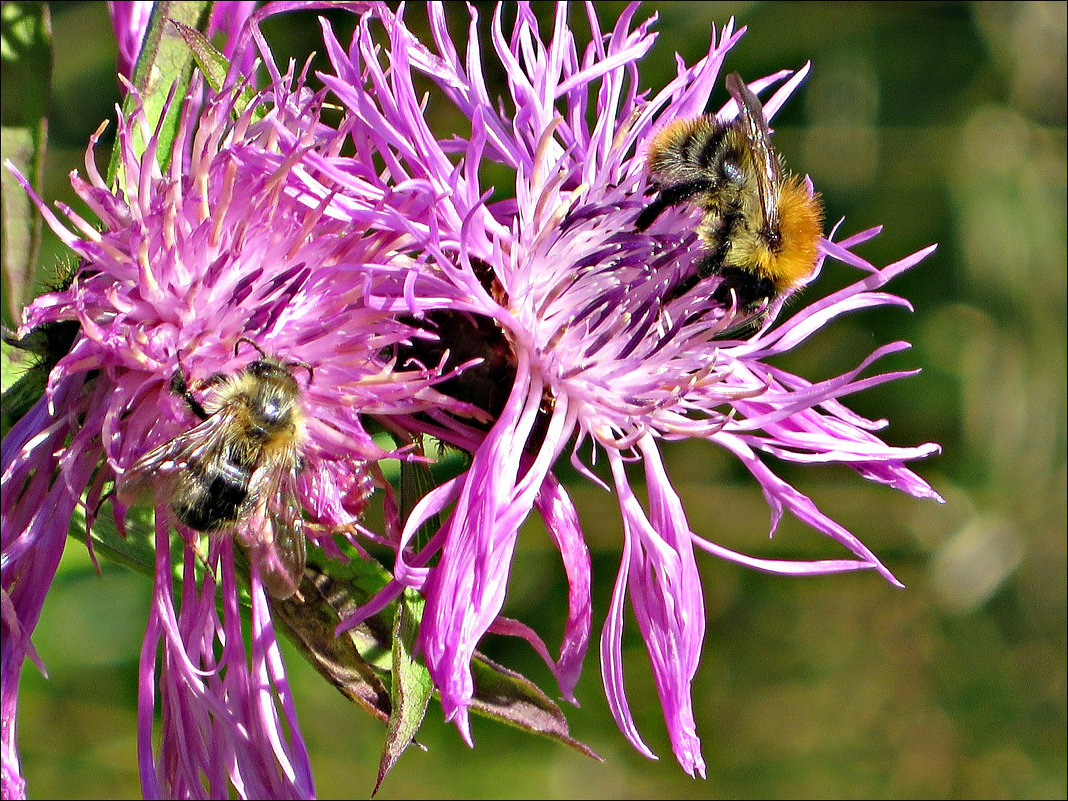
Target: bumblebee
(237,469)
(760,228)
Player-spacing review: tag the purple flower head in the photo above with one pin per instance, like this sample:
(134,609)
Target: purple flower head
(611,346)
(204,278)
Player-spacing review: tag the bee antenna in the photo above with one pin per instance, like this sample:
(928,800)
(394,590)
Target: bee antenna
(237,345)
(305,366)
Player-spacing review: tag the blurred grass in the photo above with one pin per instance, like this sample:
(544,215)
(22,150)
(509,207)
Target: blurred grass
(943,122)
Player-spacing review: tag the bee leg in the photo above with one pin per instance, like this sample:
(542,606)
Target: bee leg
(704,267)
(670,196)
(743,287)
(680,289)
(179,386)
(198,551)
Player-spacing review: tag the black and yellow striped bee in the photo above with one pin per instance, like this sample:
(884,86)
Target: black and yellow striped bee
(761,226)
(237,469)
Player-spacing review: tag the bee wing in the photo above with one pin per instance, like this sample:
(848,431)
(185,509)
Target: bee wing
(274,531)
(158,469)
(767,167)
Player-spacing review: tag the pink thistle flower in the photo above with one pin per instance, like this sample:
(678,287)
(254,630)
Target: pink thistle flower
(218,249)
(611,348)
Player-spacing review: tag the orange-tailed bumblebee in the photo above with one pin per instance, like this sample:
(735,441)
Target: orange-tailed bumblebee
(761,227)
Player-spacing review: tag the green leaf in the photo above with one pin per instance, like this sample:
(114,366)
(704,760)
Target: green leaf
(416,481)
(211,62)
(26,75)
(215,68)
(354,662)
(310,620)
(334,590)
(507,696)
(165,62)
(412,685)
(135,551)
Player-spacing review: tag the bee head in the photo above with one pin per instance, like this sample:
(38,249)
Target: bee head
(269,368)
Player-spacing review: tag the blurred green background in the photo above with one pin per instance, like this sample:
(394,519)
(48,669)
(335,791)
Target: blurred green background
(943,122)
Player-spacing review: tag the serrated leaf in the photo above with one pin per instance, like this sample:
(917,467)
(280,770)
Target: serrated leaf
(23,385)
(308,619)
(211,62)
(415,482)
(135,551)
(26,75)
